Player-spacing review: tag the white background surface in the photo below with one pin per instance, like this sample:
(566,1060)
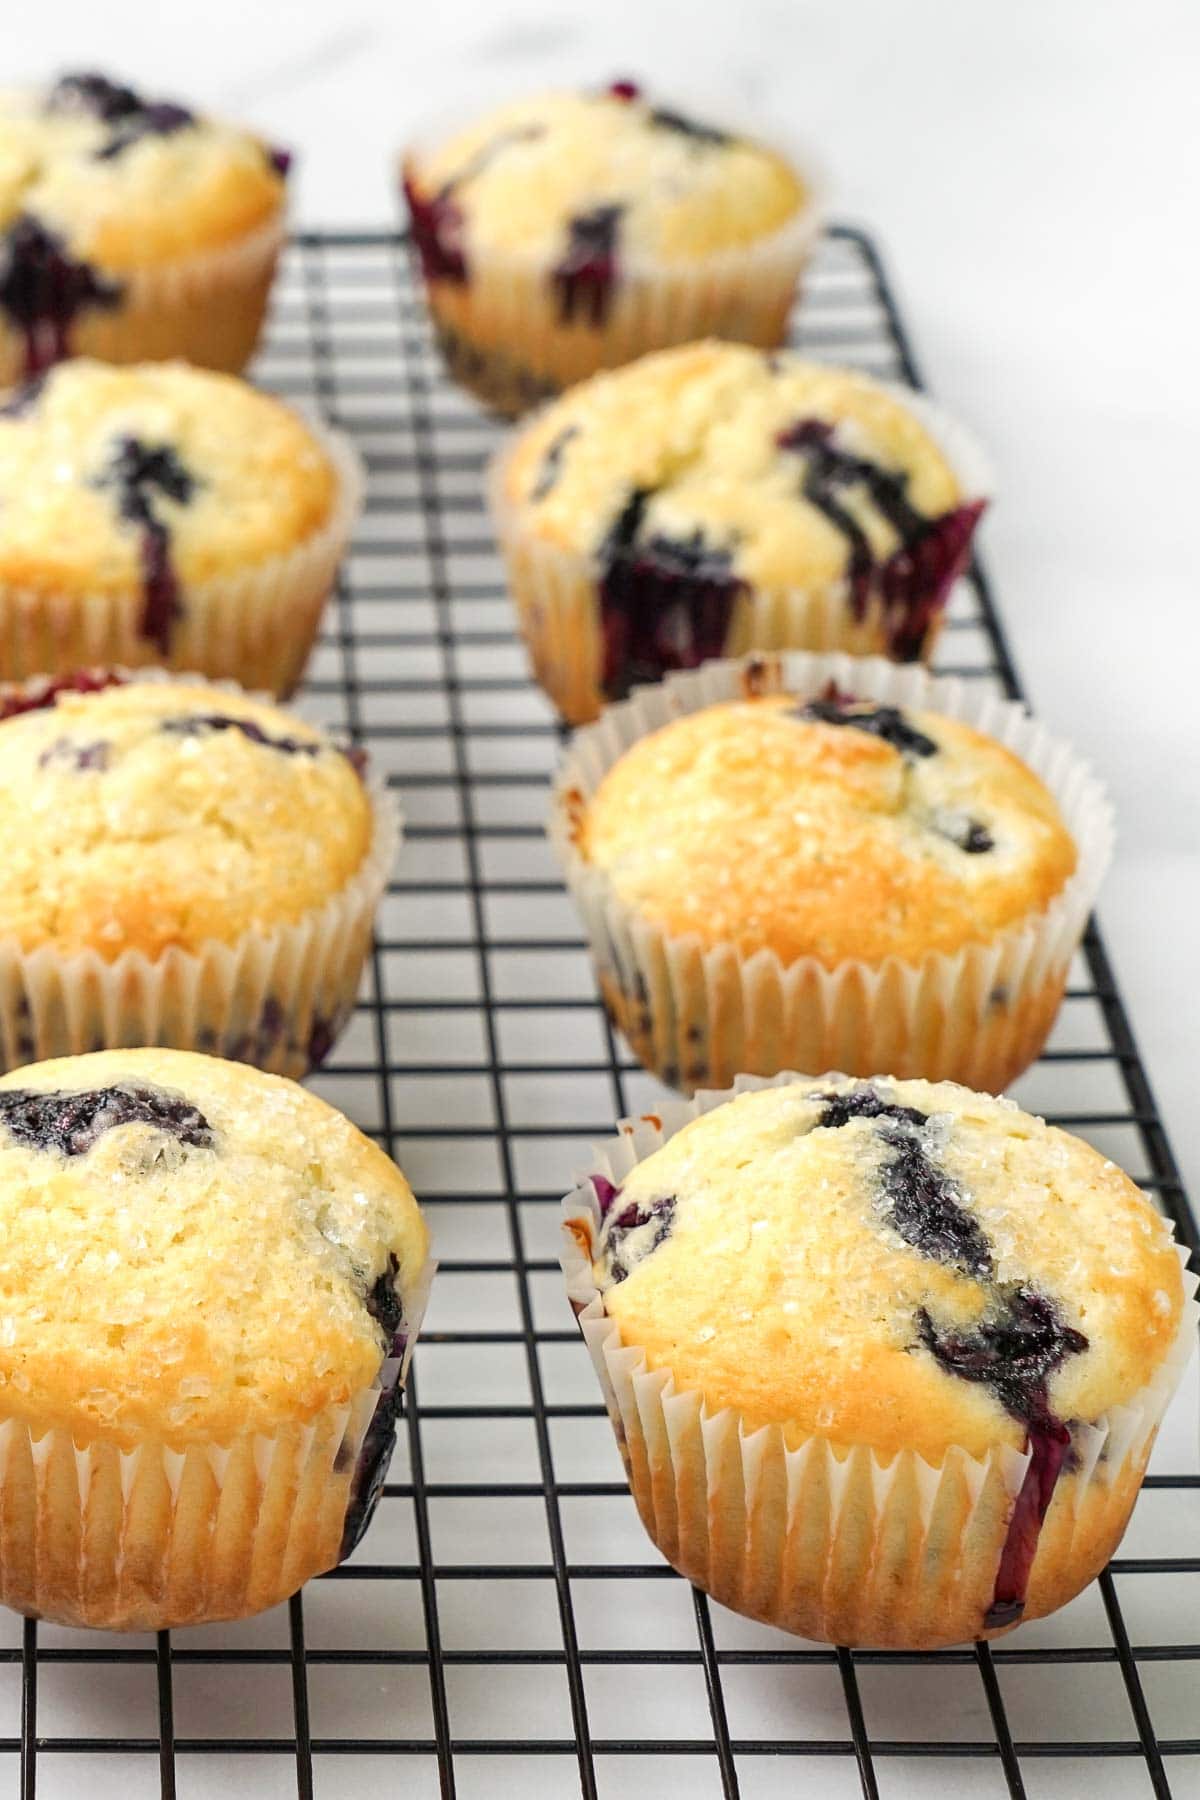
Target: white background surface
(1031,169)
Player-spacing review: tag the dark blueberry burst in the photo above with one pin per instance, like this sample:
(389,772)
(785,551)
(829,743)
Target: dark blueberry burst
(72,1123)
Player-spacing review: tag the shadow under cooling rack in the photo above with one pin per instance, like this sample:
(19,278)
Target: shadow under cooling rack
(506,1629)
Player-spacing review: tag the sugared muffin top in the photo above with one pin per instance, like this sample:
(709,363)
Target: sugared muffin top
(896,1264)
(746,471)
(829,827)
(99,173)
(117,480)
(588,182)
(156,814)
(191,1249)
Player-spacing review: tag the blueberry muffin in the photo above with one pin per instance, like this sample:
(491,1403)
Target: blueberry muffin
(837,863)
(210,1288)
(163,514)
(184,865)
(571,232)
(131,228)
(886,1359)
(763,502)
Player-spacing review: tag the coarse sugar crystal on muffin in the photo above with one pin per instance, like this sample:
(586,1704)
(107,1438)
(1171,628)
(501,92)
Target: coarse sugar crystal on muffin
(572,231)
(886,1359)
(755,502)
(185,865)
(820,861)
(210,1283)
(166,514)
(131,228)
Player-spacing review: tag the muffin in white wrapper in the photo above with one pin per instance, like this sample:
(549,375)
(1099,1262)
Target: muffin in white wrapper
(519,317)
(828,1537)
(161,515)
(761,588)
(207,1452)
(699,1013)
(275,994)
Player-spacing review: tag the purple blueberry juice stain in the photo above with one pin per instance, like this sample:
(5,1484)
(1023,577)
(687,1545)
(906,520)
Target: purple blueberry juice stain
(1014,1349)
(70,753)
(72,1123)
(385,1304)
(1014,1352)
(45,693)
(886,722)
(437,228)
(24,399)
(43,290)
(437,221)
(131,116)
(914,582)
(665,603)
(618,1226)
(605,1193)
(917,1200)
(139,472)
(971,836)
(202,724)
(665,118)
(586,275)
(550,469)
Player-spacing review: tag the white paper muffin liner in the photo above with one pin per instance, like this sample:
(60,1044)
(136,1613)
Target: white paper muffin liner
(829,1539)
(698,1016)
(256,627)
(207,309)
(501,332)
(556,590)
(150,1537)
(278,998)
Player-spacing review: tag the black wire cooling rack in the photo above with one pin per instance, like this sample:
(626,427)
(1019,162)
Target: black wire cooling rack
(505,1628)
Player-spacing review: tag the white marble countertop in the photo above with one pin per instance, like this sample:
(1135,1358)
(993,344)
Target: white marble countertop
(1025,169)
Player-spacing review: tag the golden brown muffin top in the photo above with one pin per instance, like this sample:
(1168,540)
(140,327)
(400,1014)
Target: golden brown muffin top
(191,1249)
(830,828)
(91,454)
(890,1263)
(733,454)
(161,814)
(128,182)
(534,175)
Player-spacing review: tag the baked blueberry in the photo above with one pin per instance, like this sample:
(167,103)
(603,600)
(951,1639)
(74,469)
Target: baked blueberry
(886,722)
(72,1122)
(44,289)
(201,724)
(588,271)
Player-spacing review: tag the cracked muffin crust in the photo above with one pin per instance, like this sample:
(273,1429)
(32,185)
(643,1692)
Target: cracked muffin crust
(130,226)
(185,864)
(194,1254)
(831,827)
(910,1273)
(163,513)
(160,815)
(625,224)
(763,501)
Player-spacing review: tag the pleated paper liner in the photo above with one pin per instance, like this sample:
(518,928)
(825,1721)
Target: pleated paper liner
(828,1539)
(556,591)
(699,1015)
(502,331)
(206,309)
(256,627)
(277,998)
(153,1536)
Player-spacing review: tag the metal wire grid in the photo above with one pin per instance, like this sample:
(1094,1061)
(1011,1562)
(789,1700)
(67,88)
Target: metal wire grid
(505,1628)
